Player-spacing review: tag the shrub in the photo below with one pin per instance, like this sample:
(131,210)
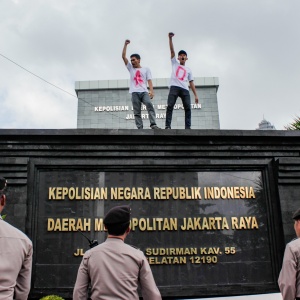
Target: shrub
(52,297)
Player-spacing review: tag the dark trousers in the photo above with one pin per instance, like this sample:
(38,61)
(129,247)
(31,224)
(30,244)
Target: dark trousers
(175,92)
(137,100)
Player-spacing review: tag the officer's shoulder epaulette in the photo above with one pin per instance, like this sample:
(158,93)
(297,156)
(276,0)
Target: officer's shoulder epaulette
(87,255)
(134,247)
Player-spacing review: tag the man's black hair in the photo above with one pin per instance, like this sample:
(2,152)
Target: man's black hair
(137,56)
(182,52)
(117,229)
(296,215)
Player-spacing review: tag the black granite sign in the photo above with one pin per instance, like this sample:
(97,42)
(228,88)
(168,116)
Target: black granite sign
(200,230)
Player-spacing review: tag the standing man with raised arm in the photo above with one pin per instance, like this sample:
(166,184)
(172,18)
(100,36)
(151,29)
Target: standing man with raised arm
(15,257)
(181,78)
(139,77)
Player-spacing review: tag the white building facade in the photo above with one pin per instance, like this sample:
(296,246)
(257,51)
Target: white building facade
(107,104)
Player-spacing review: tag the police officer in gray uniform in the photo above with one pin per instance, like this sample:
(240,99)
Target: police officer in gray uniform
(15,258)
(113,268)
(289,277)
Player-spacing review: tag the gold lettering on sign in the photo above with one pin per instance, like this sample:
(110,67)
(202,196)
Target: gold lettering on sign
(244,223)
(76,193)
(209,250)
(233,192)
(155,193)
(170,251)
(153,224)
(181,193)
(210,223)
(121,193)
(79,252)
(66,224)
(166,260)
(99,225)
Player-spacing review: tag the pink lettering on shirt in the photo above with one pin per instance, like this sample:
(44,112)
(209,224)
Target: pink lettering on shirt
(180,73)
(138,78)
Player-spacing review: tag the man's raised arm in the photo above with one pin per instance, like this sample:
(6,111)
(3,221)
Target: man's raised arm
(171,34)
(124,52)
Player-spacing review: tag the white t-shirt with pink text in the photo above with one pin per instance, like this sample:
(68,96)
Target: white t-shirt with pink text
(181,75)
(138,78)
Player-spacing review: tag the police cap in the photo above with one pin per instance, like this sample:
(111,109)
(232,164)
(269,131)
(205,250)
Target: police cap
(118,215)
(296,215)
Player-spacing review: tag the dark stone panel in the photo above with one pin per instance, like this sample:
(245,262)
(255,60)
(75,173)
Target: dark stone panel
(289,191)
(257,249)
(27,157)
(20,210)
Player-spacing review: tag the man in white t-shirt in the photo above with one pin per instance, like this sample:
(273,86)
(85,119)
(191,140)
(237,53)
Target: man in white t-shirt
(139,77)
(181,79)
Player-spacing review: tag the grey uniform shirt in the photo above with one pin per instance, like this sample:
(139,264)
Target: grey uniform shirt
(115,270)
(15,263)
(289,277)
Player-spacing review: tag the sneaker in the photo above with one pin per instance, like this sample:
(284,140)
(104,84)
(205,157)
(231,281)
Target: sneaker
(168,127)
(154,127)
(187,127)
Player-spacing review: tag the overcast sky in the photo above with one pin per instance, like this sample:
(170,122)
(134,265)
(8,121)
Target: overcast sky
(252,46)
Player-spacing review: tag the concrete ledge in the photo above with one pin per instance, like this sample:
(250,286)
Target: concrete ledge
(124,83)
(26,153)
(149,132)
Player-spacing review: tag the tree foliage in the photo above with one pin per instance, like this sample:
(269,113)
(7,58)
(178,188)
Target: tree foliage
(295,125)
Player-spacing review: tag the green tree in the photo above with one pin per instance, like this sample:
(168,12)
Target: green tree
(295,125)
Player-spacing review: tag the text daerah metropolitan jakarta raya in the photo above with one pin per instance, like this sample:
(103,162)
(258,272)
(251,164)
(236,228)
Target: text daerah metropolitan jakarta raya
(154,193)
(158,224)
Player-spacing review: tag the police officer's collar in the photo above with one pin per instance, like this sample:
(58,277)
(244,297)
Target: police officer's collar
(116,237)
